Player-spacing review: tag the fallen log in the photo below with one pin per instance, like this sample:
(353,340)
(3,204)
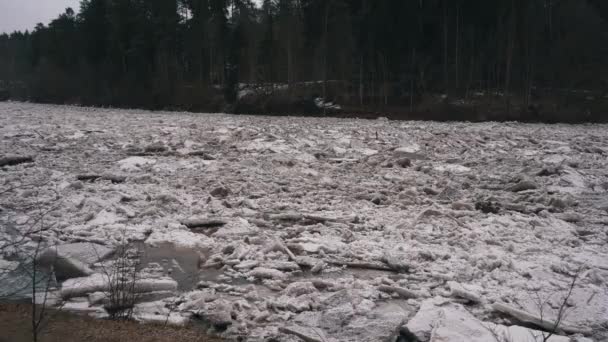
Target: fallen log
(544,323)
(457,290)
(93,177)
(361,265)
(286,217)
(15,160)
(523,186)
(114,178)
(287,251)
(318,267)
(295,217)
(306,334)
(342,160)
(322,284)
(203,154)
(203,223)
(401,291)
(88,178)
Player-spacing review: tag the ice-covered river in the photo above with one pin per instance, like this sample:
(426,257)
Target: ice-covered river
(316,228)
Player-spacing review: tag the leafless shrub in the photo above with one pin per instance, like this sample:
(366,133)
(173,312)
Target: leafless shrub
(499,335)
(562,311)
(25,274)
(541,303)
(122,275)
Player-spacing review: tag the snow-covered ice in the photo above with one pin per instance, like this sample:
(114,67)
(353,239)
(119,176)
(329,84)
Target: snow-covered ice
(327,229)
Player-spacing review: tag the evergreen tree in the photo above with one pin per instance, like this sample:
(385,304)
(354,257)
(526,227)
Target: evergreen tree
(363,53)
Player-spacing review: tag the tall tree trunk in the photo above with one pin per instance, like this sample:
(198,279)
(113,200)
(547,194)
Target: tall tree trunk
(445,45)
(289,61)
(202,58)
(385,77)
(361,81)
(527,64)
(211,71)
(472,67)
(456,53)
(509,59)
(412,77)
(325,50)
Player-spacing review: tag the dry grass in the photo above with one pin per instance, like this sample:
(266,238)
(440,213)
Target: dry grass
(15,326)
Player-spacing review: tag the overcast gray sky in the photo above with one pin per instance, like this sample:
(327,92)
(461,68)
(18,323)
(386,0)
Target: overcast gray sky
(25,14)
(21,15)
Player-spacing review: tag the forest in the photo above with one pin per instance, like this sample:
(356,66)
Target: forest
(529,60)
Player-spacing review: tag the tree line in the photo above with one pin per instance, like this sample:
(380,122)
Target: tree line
(512,56)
